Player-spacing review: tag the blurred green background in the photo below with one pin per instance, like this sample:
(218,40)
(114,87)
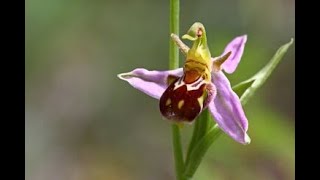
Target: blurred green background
(83,123)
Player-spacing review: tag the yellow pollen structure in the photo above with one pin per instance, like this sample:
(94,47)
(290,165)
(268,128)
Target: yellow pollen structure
(180,104)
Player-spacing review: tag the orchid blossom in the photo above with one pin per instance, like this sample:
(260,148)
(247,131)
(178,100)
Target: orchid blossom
(185,92)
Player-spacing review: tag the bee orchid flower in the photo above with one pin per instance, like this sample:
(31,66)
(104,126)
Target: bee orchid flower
(185,92)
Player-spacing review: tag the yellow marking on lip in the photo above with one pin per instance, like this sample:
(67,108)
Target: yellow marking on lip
(168,102)
(180,104)
(200,101)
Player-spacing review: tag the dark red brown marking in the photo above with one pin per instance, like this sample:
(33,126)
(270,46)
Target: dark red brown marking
(191,76)
(190,108)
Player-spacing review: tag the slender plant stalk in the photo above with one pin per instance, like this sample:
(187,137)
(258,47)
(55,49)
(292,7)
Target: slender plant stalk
(177,151)
(173,64)
(174,28)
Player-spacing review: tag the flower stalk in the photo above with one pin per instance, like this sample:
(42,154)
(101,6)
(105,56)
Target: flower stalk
(174,64)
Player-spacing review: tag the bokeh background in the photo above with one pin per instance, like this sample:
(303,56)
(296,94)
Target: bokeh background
(83,123)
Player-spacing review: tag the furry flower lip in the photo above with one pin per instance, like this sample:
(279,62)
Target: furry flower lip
(185,92)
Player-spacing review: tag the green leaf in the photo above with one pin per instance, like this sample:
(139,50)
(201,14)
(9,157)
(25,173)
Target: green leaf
(203,124)
(199,151)
(240,88)
(245,90)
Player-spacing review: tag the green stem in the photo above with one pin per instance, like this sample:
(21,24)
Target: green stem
(173,64)
(177,151)
(174,28)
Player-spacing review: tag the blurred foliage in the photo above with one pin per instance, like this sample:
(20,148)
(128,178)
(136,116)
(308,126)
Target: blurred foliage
(83,123)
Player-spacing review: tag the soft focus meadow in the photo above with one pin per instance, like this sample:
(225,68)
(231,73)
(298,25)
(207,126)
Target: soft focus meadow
(83,123)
